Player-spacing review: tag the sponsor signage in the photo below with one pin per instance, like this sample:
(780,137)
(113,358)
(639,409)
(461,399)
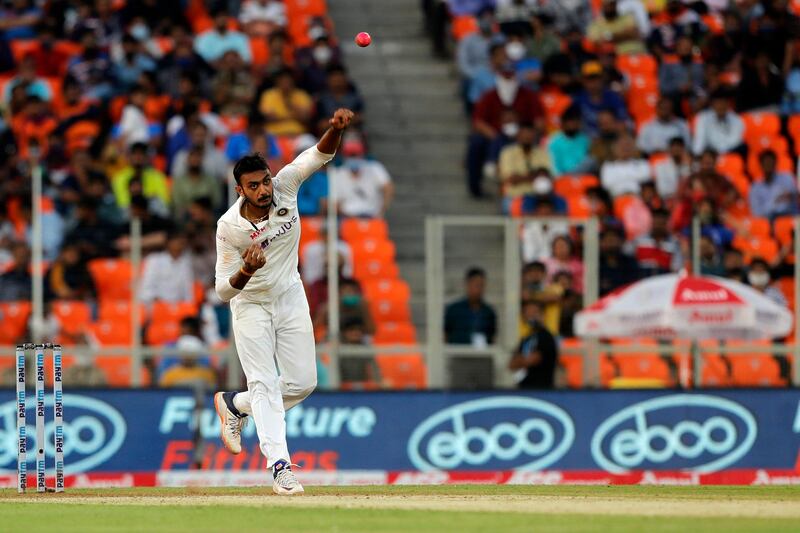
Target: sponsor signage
(404,437)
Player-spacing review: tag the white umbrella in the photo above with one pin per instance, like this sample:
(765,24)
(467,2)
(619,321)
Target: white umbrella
(681,306)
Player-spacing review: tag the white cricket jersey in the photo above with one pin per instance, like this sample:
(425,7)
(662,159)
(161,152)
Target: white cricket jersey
(279,236)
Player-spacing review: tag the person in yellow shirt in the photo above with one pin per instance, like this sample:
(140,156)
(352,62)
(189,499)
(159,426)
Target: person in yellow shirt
(286,108)
(519,162)
(148,181)
(616,28)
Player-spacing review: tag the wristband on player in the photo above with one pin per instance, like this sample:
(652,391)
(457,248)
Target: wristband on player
(246,273)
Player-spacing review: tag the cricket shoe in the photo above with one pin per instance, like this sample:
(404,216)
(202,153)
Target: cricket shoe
(231,421)
(285,483)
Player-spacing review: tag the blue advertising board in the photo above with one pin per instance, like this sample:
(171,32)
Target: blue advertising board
(606,431)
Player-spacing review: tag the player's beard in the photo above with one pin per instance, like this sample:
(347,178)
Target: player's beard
(262,202)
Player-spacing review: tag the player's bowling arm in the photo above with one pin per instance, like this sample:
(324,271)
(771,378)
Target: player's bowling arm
(329,141)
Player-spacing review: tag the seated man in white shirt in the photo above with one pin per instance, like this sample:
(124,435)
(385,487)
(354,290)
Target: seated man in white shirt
(656,134)
(627,171)
(167,275)
(314,260)
(262,17)
(364,187)
(718,128)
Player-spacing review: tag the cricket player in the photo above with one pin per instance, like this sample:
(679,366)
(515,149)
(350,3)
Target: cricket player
(256,271)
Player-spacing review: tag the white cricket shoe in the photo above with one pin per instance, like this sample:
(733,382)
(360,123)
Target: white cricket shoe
(231,424)
(285,483)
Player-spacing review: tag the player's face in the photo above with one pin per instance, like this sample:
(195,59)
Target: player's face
(256,187)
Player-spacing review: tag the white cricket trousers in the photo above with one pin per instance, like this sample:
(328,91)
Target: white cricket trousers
(278,332)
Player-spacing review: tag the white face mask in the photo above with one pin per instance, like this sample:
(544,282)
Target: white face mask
(515,50)
(510,129)
(758,279)
(542,185)
(140,32)
(322,54)
(507,90)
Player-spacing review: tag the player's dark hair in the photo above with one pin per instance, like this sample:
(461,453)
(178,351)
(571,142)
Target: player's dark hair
(249,163)
(475,272)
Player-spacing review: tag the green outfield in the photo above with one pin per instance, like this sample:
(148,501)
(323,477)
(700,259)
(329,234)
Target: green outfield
(417,509)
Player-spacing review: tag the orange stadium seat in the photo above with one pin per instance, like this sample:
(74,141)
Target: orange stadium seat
(755,226)
(119,311)
(784,226)
(715,371)
(761,247)
(117,370)
(570,358)
(395,333)
(463,25)
(259,49)
(74,316)
(112,277)
(574,184)
(757,368)
(554,103)
(353,229)
(759,124)
(794,132)
(389,311)
(308,8)
(159,333)
(14,316)
(373,249)
(402,371)
(579,207)
(647,363)
(112,333)
(172,312)
(372,269)
(22,47)
(730,164)
(641,64)
(387,289)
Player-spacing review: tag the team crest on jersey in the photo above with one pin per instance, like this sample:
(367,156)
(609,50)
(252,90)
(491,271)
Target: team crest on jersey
(282,211)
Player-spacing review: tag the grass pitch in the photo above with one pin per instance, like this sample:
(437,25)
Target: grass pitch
(416,509)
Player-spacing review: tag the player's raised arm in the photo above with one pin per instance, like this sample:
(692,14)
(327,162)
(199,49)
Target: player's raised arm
(330,140)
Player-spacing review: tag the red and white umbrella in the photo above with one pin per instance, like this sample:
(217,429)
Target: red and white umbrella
(690,307)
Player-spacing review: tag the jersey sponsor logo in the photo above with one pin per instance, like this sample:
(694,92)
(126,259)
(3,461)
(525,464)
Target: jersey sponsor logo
(282,211)
(283,230)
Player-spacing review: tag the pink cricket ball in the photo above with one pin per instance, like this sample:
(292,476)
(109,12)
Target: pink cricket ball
(363,39)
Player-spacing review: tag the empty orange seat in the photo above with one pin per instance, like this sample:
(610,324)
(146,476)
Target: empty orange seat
(756,247)
(259,50)
(172,311)
(642,64)
(389,311)
(579,207)
(794,132)
(759,124)
(159,333)
(463,25)
(730,164)
(402,371)
(14,321)
(371,269)
(755,226)
(22,47)
(353,229)
(395,333)
(117,370)
(112,277)
(570,358)
(306,8)
(784,226)
(373,249)
(554,103)
(645,363)
(754,369)
(119,311)
(110,333)
(574,184)
(73,316)
(387,289)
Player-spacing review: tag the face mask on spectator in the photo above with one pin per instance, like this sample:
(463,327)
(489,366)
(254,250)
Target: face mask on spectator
(140,32)
(542,185)
(510,129)
(322,54)
(353,164)
(515,50)
(758,279)
(351,300)
(507,90)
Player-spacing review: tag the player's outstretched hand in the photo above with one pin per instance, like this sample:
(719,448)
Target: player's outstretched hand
(253,258)
(341,119)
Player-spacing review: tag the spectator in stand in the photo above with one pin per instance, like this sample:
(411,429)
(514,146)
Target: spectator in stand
(617,269)
(706,183)
(659,252)
(513,16)
(627,171)
(365,188)
(487,122)
(613,77)
(534,277)
(676,20)
(254,139)
(99,191)
(33,127)
(213,160)
(761,86)
(15,284)
(68,278)
(718,128)
(569,148)
(287,109)
(724,50)
(27,78)
(565,259)
(153,183)
(193,184)
(681,77)
(168,275)
(313,196)
(259,18)
(636,9)
(155,228)
(93,235)
(542,191)
(776,193)
(130,61)
(655,136)
(608,132)
(537,235)
(212,44)
(233,87)
(710,261)
(352,306)
(485,76)
(544,43)
(200,227)
(315,258)
(534,361)
(133,126)
(181,61)
(595,97)
(51,60)
(92,68)
(339,93)
(471,320)
(519,161)
(313,62)
(190,368)
(733,263)
(19,19)
(615,27)
(758,277)
(52,229)
(472,54)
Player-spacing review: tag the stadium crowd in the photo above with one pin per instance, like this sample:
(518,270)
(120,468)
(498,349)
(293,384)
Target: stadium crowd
(644,113)
(138,109)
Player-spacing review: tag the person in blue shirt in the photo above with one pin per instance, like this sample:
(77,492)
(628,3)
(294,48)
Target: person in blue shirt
(595,97)
(311,199)
(241,144)
(569,148)
(212,44)
(129,67)
(484,77)
(471,320)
